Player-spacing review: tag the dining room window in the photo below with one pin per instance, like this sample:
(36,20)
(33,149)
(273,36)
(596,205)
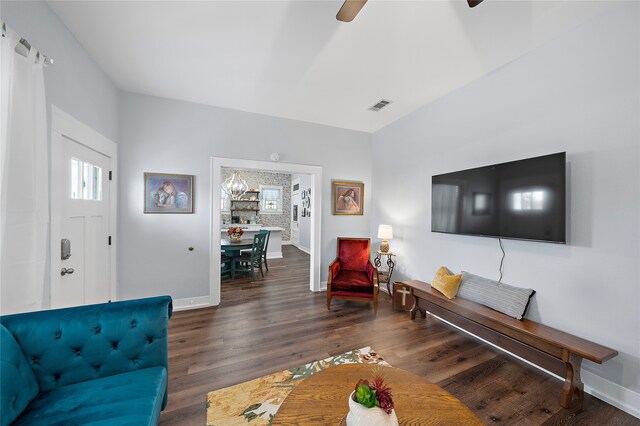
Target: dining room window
(270,199)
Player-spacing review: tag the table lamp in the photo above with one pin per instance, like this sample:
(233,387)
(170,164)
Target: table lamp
(386,233)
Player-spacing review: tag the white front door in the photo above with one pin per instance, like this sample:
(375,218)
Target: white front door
(296,210)
(81,258)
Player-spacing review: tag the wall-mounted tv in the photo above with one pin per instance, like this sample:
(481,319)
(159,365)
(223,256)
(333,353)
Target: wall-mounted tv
(522,199)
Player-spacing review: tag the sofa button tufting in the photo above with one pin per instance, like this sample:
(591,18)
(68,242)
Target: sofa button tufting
(150,339)
(114,345)
(56,377)
(97,367)
(58,334)
(134,324)
(97,329)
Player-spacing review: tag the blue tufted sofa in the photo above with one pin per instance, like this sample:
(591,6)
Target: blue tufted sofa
(100,364)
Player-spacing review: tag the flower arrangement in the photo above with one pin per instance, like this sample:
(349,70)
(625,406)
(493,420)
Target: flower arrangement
(374,394)
(235,231)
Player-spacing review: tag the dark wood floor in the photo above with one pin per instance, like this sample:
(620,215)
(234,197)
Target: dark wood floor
(276,323)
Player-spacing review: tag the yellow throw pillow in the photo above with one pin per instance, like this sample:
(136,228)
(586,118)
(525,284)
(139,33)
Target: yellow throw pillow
(446,283)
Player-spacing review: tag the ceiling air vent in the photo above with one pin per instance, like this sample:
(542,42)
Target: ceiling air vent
(381,104)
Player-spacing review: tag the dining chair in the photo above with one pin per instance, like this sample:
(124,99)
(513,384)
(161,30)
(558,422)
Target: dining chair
(266,246)
(225,264)
(246,262)
(265,249)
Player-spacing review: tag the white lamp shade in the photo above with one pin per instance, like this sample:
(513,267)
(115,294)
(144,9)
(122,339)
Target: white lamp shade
(385,232)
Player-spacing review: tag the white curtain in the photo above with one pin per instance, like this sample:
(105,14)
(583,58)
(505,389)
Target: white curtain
(24,197)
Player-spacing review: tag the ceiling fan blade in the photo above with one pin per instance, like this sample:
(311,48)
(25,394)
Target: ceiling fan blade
(474,3)
(349,10)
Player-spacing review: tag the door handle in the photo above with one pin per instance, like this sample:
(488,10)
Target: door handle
(65,271)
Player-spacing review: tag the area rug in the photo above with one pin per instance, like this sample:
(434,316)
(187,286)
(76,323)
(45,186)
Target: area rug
(256,402)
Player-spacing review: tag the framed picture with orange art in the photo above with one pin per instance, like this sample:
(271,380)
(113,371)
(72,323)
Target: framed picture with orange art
(347,198)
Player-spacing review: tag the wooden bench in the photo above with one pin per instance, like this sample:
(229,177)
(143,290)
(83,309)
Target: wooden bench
(554,350)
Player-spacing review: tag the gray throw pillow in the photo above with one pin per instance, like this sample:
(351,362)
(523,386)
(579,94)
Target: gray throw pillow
(509,300)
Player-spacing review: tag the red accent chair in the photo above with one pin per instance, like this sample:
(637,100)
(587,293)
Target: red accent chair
(352,275)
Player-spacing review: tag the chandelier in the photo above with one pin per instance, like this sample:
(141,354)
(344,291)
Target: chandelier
(235,186)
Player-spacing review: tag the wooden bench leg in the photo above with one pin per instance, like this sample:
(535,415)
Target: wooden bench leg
(416,308)
(572,383)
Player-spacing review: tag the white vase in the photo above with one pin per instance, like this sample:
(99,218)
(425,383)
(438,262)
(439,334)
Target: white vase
(359,415)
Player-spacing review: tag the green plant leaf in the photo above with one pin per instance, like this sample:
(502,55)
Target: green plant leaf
(366,396)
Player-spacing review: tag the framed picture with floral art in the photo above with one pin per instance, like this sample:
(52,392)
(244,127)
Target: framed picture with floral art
(168,193)
(347,198)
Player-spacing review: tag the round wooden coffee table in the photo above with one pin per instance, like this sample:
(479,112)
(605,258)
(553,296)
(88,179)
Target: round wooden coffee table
(321,399)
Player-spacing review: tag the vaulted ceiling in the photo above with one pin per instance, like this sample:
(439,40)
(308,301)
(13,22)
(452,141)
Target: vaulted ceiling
(293,59)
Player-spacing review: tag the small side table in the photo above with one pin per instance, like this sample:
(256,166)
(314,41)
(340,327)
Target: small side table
(384,277)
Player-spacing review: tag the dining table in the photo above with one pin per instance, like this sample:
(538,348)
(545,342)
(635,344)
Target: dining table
(233,249)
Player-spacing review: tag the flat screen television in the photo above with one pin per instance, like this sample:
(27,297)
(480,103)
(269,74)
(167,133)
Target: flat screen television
(522,199)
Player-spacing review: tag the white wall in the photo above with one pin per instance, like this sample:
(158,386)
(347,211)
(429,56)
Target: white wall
(579,94)
(304,223)
(161,135)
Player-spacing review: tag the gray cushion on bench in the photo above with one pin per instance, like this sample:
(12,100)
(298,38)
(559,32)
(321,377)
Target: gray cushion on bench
(509,300)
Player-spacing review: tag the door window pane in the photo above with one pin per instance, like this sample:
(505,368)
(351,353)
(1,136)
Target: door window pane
(76,173)
(86,181)
(97,183)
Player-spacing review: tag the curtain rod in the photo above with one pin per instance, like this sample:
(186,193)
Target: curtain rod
(24,42)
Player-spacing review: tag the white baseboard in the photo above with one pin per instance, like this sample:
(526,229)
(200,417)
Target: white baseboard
(190,303)
(323,286)
(609,392)
(612,393)
(301,248)
(274,255)
(297,245)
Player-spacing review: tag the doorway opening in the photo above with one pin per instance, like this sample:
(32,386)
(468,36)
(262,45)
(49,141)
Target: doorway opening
(301,196)
(312,213)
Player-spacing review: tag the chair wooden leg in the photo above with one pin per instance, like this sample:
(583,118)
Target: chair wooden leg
(375,298)
(261,273)
(328,300)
